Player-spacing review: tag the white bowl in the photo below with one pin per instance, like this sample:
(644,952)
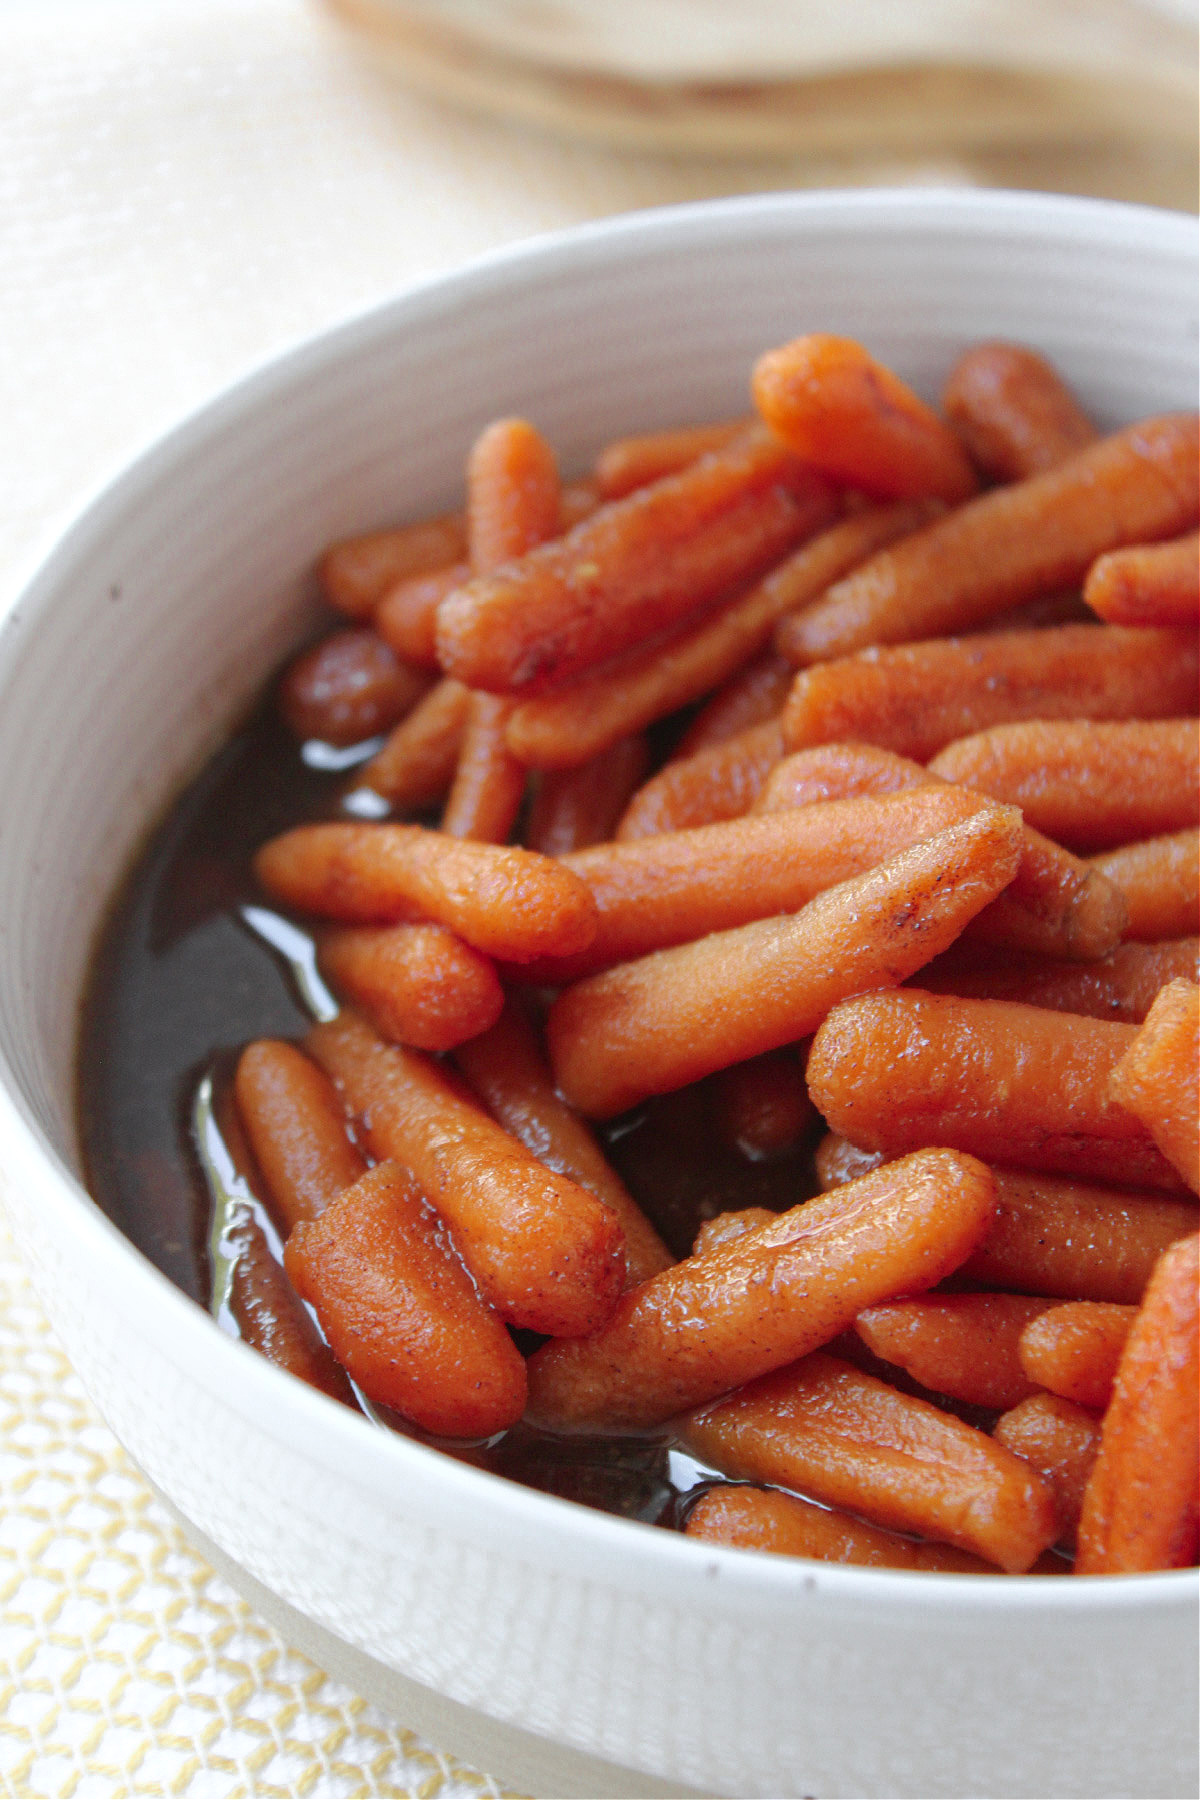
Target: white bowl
(123,665)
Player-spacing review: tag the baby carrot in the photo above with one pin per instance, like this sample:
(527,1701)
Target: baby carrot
(1122,985)
(719,783)
(357,572)
(507,902)
(714,1321)
(401,1312)
(573,808)
(762,1106)
(633,462)
(513,493)
(830,401)
(1160,879)
(1086,784)
(416,765)
(406,617)
(963,1345)
(1147,584)
(1074,1349)
(1059,1440)
(270,1316)
(1013,411)
(297,1128)
(649,1026)
(916,698)
(349,687)
(898,1069)
(418,984)
(1139,1509)
(730,1225)
(853,1442)
(751,697)
(546,1253)
(1014,543)
(837,1160)
(839,771)
(636,568)
(506,1068)
(1156,1078)
(489,783)
(750,1518)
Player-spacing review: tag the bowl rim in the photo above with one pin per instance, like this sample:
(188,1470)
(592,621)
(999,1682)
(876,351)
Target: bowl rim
(618,1551)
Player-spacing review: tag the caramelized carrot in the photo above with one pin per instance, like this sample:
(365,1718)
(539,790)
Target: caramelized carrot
(573,808)
(1160,879)
(269,1314)
(513,493)
(1147,584)
(506,902)
(896,1070)
(407,615)
(719,783)
(297,1128)
(714,1321)
(357,572)
(830,401)
(416,765)
(489,783)
(963,1345)
(749,1518)
(751,697)
(853,1442)
(841,771)
(401,1312)
(837,1160)
(1014,543)
(763,1108)
(1156,1078)
(1073,1350)
(546,1253)
(633,462)
(1121,985)
(1059,1440)
(1139,1509)
(730,1225)
(649,1026)
(349,687)
(418,984)
(1013,411)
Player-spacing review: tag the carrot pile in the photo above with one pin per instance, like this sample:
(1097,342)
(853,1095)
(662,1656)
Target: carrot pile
(828,775)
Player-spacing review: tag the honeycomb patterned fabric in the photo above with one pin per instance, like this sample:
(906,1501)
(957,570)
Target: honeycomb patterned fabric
(127,1667)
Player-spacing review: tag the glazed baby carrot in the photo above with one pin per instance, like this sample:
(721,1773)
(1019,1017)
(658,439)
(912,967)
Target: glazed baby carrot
(963,1345)
(270,1316)
(636,568)
(513,493)
(1122,985)
(1013,411)
(418,984)
(762,1106)
(730,1225)
(506,1068)
(507,902)
(357,572)
(1156,1078)
(830,401)
(401,1312)
(416,765)
(1012,1083)
(489,783)
(1014,543)
(1088,785)
(573,808)
(750,1518)
(839,771)
(853,1442)
(546,1253)
(1160,879)
(563,728)
(1139,1508)
(297,1128)
(633,462)
(916,698)
(714,1321)
(719,783)
(1073,1350)
(349,687)
(751,697)
(1059,1440)
(649,1026)
(837,1160)
(1147,584)
(406,617)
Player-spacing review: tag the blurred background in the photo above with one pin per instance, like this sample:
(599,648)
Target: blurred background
(187,187)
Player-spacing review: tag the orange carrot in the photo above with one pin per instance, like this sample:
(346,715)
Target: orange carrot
(297,1128)
(1059,1440)
(1160,879)
(897,1070)
(852,1441)
(269,1314)
(1014,543)
(714,1321)
(753,696)
(573,808)
(730,1225)
(418,984)
(1088,785)
(357,572)
(1013,411)
(837,1160)
(1121,985)
(719,783)
(916,698)
(506,902)
(830,401)
(748,1518)
(546,1254)
(1139,1510)
(1147,584)
(401,1312)
(489,783)
(407,615)
(416,765)
(349,687)
(1073,1350)
(633,462)
(763,1108)
(513,493)
(963,1345)
(636,568)
(506,1068)
(649,1026)
(1156,1078)
(840,771)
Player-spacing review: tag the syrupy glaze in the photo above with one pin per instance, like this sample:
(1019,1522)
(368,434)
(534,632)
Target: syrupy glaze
(184,977)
